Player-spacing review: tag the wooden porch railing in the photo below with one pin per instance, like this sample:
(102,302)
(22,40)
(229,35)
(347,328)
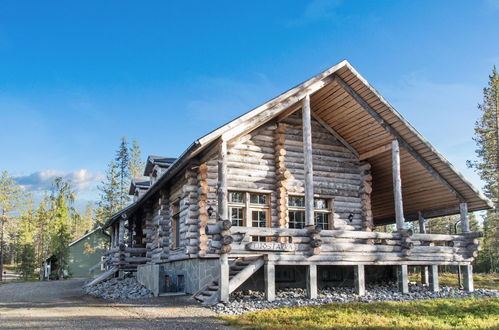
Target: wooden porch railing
(361,246)
(124,257)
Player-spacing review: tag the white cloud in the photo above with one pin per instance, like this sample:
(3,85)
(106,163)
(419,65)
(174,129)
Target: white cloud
(82,180)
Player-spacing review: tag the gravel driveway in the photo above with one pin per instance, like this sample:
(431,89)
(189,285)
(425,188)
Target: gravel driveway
(61,304)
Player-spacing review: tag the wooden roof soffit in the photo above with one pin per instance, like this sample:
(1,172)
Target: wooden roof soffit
(396,135)
(375,151)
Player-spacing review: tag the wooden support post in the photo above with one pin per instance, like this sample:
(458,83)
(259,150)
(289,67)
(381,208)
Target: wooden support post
(425,280)
(269,270)
(222,181)
(402,279)
(360,283)
(465,223)
(112,232)
(312,281)
(223,282)
(434,285)
(121,234)
(468,278)
(309,172)
(397,185)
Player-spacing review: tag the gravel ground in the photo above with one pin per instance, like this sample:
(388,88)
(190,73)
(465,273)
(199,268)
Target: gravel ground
(116,289)
(248,301)
(62,304)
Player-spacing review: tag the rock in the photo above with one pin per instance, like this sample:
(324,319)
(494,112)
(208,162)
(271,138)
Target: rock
(244,301)
(116,289)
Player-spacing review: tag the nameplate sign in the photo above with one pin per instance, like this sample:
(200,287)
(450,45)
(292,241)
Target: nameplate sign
(271,246)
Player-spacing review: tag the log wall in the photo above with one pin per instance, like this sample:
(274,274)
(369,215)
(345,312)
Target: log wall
(268,159)
(251,164)
(337,171)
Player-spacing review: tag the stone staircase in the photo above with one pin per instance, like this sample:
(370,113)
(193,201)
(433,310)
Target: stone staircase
(240,269)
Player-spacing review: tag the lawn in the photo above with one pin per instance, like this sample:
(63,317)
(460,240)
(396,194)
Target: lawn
(484,281)
(436,313)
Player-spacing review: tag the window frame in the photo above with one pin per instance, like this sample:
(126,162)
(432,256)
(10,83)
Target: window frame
(248,207)
(329,211)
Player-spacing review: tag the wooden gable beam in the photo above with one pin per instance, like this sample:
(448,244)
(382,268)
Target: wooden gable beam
(336,135)
(396,135)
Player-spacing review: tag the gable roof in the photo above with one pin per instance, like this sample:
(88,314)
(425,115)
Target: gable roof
(368,123)
(163,162)
(139,183)
(85,236)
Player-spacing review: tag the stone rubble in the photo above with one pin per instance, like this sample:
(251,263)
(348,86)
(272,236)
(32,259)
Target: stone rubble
(119,289)
(248,301)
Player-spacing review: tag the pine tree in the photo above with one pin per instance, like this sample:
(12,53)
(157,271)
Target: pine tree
(487,139)
(136,165)
(123,164)
(42,237)
(25,244)
(60,233)
(87,223)
(82,223)
(487,166)
(109,201)
(11,197)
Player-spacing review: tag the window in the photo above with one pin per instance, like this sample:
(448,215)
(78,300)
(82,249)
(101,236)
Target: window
(237,216)
(236,207)
(296,212)
(249,209)
(180,283)
(285,274)
(176,225)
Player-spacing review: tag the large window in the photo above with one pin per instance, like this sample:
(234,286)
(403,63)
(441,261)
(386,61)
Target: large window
(249,209)
(322,212)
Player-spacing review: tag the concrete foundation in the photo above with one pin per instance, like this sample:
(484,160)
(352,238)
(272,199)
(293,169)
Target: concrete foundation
(187,276)
(148,276)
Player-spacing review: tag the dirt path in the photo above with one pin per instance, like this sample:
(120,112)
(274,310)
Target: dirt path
(61,304)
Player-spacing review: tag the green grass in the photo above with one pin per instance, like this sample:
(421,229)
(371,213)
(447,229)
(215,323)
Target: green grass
(437,313)
(484,281)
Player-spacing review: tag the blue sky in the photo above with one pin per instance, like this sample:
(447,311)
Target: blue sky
(76,76)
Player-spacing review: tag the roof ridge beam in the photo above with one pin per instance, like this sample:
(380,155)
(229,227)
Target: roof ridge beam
(396,135)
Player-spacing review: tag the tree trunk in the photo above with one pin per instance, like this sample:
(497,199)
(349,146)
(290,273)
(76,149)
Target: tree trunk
(4,217)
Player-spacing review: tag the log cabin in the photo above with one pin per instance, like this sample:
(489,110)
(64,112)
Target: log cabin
(290,193)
